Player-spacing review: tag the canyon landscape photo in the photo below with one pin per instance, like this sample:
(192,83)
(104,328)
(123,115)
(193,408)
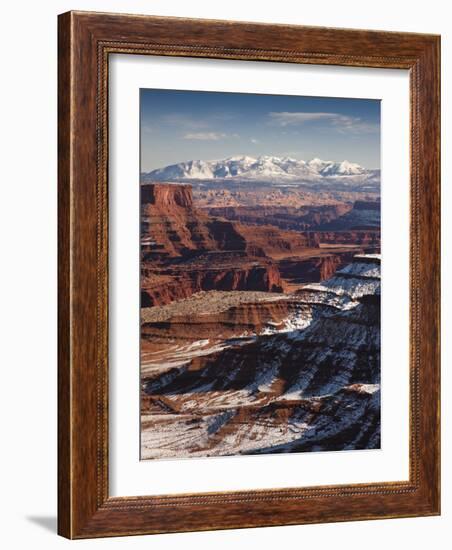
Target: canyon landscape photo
(260,274)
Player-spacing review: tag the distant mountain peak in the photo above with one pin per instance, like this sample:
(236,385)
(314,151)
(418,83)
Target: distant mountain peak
(264,168)
(236,158)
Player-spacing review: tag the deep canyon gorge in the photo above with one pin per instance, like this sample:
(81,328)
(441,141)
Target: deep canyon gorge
(260,317)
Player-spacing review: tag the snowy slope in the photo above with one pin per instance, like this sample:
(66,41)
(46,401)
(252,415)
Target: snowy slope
(310,387)
(264,168)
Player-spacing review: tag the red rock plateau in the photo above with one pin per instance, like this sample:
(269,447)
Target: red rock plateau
(185,249)
(268,196)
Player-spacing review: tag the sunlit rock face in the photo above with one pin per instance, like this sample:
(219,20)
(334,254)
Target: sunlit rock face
(184,250)
(303,374)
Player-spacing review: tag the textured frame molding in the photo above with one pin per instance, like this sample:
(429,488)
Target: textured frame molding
(86,40)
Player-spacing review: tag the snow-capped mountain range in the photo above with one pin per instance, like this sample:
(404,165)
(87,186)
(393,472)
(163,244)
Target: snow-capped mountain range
(265,169)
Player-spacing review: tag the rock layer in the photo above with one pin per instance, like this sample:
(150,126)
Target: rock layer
(185,250)
(285,217)
(312,386)
(161,286)
(314,268)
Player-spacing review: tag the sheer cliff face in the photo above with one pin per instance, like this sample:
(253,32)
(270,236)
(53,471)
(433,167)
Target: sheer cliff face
(167,196)
(304,375)
(185,251)
(172,227)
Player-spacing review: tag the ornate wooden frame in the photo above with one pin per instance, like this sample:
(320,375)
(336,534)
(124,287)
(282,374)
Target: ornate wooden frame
(85,508)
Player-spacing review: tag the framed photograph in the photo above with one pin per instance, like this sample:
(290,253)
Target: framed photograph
(248,275)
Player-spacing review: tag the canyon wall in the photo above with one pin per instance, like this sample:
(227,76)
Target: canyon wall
(285,217)
(313,268)
(230,272)
(312,386)
(185,249)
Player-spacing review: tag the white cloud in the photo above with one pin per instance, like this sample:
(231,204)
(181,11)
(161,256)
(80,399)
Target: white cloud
(342,123)
(254,140)
(208,136)
(285,118)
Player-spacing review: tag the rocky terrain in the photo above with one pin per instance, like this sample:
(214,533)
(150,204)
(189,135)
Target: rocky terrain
(364,216)
(255,372)
(357,217)
(259,309)
(183,250)
(299,218)
(186,249)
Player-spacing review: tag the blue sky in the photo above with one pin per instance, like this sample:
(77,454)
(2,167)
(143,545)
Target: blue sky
(183,125)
